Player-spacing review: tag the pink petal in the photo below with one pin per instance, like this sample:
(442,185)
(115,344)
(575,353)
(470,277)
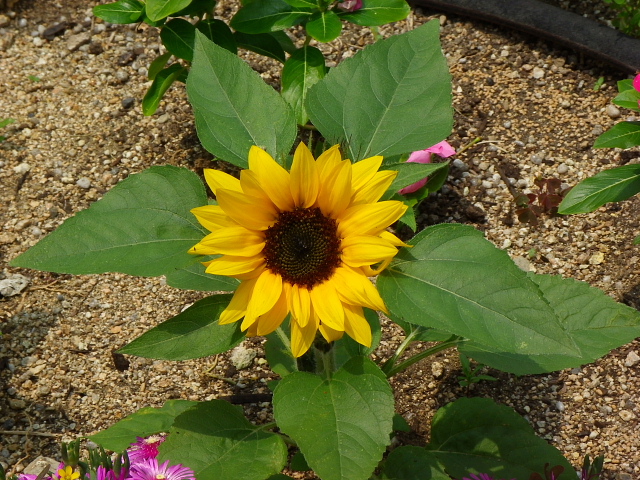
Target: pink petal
(636,83)
(421,156)
(442,149)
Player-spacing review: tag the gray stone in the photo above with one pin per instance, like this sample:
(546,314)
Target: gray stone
(242,357)
(76,41)
(83,182)
(612,111)
(13,285)
(632,359)
(39,464)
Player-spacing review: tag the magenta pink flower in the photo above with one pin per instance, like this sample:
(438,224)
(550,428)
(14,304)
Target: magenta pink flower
(145,448)
(442,149)
(150,470)
(636,82)
(350,5)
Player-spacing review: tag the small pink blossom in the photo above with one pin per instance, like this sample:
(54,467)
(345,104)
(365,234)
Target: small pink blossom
(350,5)
(150,470)
(145,448)
(442,149)
(636,83)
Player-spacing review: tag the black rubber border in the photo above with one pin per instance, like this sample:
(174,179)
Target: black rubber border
(550,23)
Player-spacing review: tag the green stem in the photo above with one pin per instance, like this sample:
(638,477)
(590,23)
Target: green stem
(391,361)
(453,341)
(376,34)
(324,355)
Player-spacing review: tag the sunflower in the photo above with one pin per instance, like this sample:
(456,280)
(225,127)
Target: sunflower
(302,242)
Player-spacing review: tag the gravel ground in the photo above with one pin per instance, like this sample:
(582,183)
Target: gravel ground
(79,130)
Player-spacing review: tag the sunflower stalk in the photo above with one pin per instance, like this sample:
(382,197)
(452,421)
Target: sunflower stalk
(453,341)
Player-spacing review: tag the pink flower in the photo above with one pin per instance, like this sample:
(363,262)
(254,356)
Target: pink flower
(442,149)
(145,448)
(350,5)
(636,83)
(150,470)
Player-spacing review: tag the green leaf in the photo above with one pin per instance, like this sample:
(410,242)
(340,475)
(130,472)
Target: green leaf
(442,283)
(612,185)
(299,463)
(474,435)
(234,108)
(218,442)
(411,463)
(194,277)
(621,135)
(594,321)
(122,11)
(628,99)
(194,333)
(178,36)
(393,97)
(159,9)
(342,424)
(197,8)
(324,26)
(303,3)
(219,33)
(624,85)
(263,43)
(378,12)
(636,241)
(412,172)
(143,226)
(146,421)
(161,83)
(157,65)
(262,16)
(6,122)
(400,424)
(300,72)
(278,351)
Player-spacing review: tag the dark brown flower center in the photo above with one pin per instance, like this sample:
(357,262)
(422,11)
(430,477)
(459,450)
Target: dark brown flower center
(303,247)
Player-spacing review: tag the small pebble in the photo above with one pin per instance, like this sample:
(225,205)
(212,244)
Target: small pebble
(612,111)
(563,168)
(128,102)
(83,182)
(22,22)
(122,76)
(632,359)
(537,73)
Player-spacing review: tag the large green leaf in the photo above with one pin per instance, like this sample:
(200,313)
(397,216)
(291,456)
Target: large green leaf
(341,424)
(146,421)
(595,322)
(122,11)
(411,172)
(178,36)
(263,43)
(628,99)
(161,83)
(235,108)
(456,281)
(391,98)
(475,435)
(216,441)
(378,12)
(621,135)
(300,72)
(143,226)
(411,463)
(609,186)
(194,333)
(159,9)
(218,32)
(262,16)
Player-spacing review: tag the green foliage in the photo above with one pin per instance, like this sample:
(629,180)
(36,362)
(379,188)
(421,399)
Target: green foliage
(408,78)
(304,68)
(217,441)
(471,375)
(228,120)
(378,12)
(122,11)
(628,19)
(332,419)
(621,135)
(3,123)
(194,333)
(612,185)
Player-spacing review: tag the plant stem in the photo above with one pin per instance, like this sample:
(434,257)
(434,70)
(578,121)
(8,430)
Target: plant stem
(391,361)
(453,341)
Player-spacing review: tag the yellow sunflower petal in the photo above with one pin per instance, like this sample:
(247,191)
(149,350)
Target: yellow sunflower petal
(231,265)
(230,241)
(356,325)
(305,182)
(274,180)
(302,337)
(238,304)
(330,334)
(355,288)
(329,159)
(359,250)
(393,239)
(212,217)
(250,212)
(266,293)
(327,305)
(271,320)
(217,179)
(335,195)
(375,188)
(300,304)
(370,219)
(364,170)
(250,184)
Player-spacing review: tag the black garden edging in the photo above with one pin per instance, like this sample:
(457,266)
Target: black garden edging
(550,23)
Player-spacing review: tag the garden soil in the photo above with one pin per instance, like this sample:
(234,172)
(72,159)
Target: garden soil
(79,130)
